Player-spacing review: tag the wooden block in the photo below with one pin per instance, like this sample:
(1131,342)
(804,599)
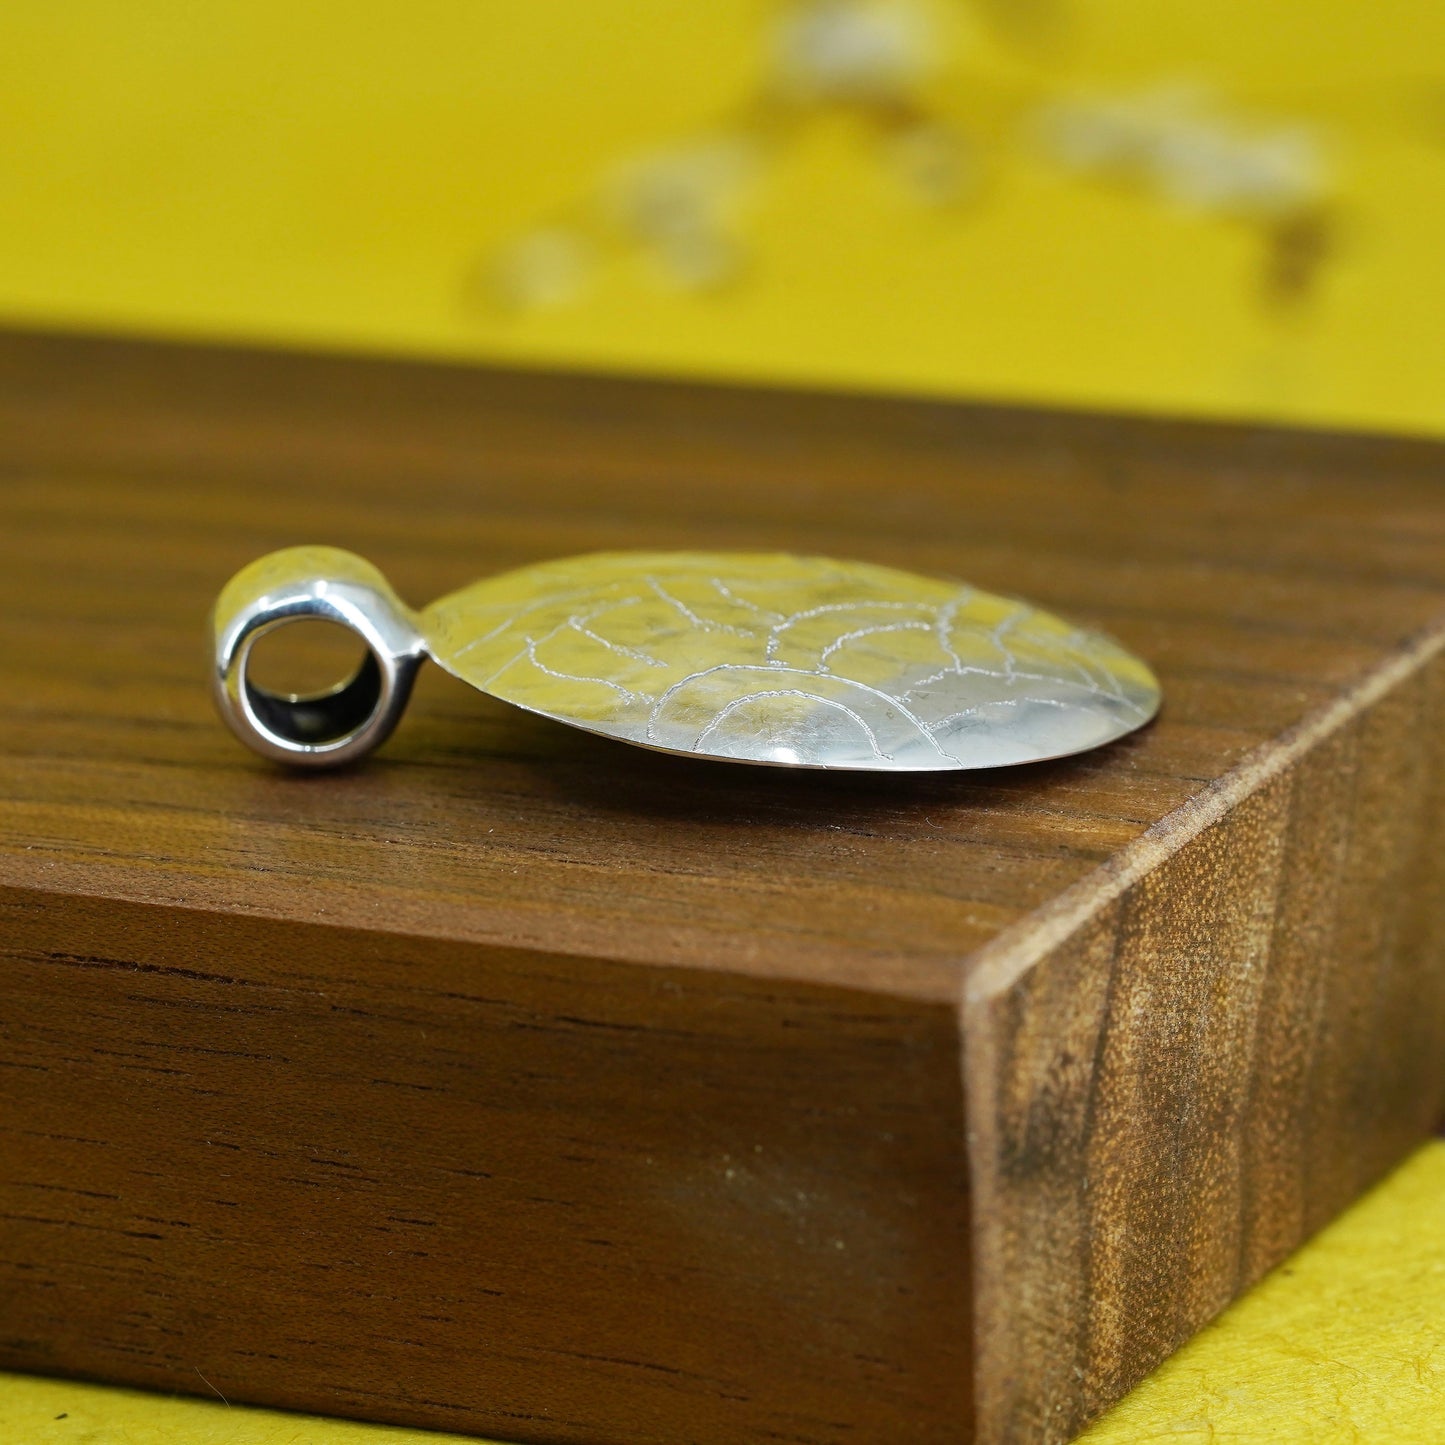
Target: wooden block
(525,1084)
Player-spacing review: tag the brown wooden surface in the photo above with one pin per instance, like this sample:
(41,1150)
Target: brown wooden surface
(522,1083)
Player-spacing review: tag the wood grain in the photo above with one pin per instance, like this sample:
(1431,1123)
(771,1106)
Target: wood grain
(522,1083)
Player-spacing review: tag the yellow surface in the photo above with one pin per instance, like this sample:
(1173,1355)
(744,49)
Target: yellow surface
(330,173)
(56,1412)
(1343,1345)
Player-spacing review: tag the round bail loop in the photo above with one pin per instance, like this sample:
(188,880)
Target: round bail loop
(343,723)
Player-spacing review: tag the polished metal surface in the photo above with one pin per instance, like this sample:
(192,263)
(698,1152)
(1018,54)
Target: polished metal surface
(761,658)
(322,729)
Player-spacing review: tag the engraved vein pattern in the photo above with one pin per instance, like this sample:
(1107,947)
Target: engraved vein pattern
(790,660)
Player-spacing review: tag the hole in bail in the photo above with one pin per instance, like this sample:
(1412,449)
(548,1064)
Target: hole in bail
(312,719)
(304,657)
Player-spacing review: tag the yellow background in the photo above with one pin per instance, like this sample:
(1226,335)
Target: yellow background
(329,174)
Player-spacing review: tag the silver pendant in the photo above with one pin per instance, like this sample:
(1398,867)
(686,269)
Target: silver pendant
(754,658)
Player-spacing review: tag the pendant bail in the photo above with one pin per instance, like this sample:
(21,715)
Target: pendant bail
(323,729)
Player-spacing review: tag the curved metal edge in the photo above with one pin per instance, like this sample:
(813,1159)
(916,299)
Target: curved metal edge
(733,760)
(337,726)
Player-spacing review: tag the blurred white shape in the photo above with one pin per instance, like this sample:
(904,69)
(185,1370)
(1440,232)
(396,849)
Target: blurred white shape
(1180,145)
(681,206)
(852,50)
(546,267)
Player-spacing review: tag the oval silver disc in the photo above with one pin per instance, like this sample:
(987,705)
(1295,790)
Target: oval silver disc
(790,661)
